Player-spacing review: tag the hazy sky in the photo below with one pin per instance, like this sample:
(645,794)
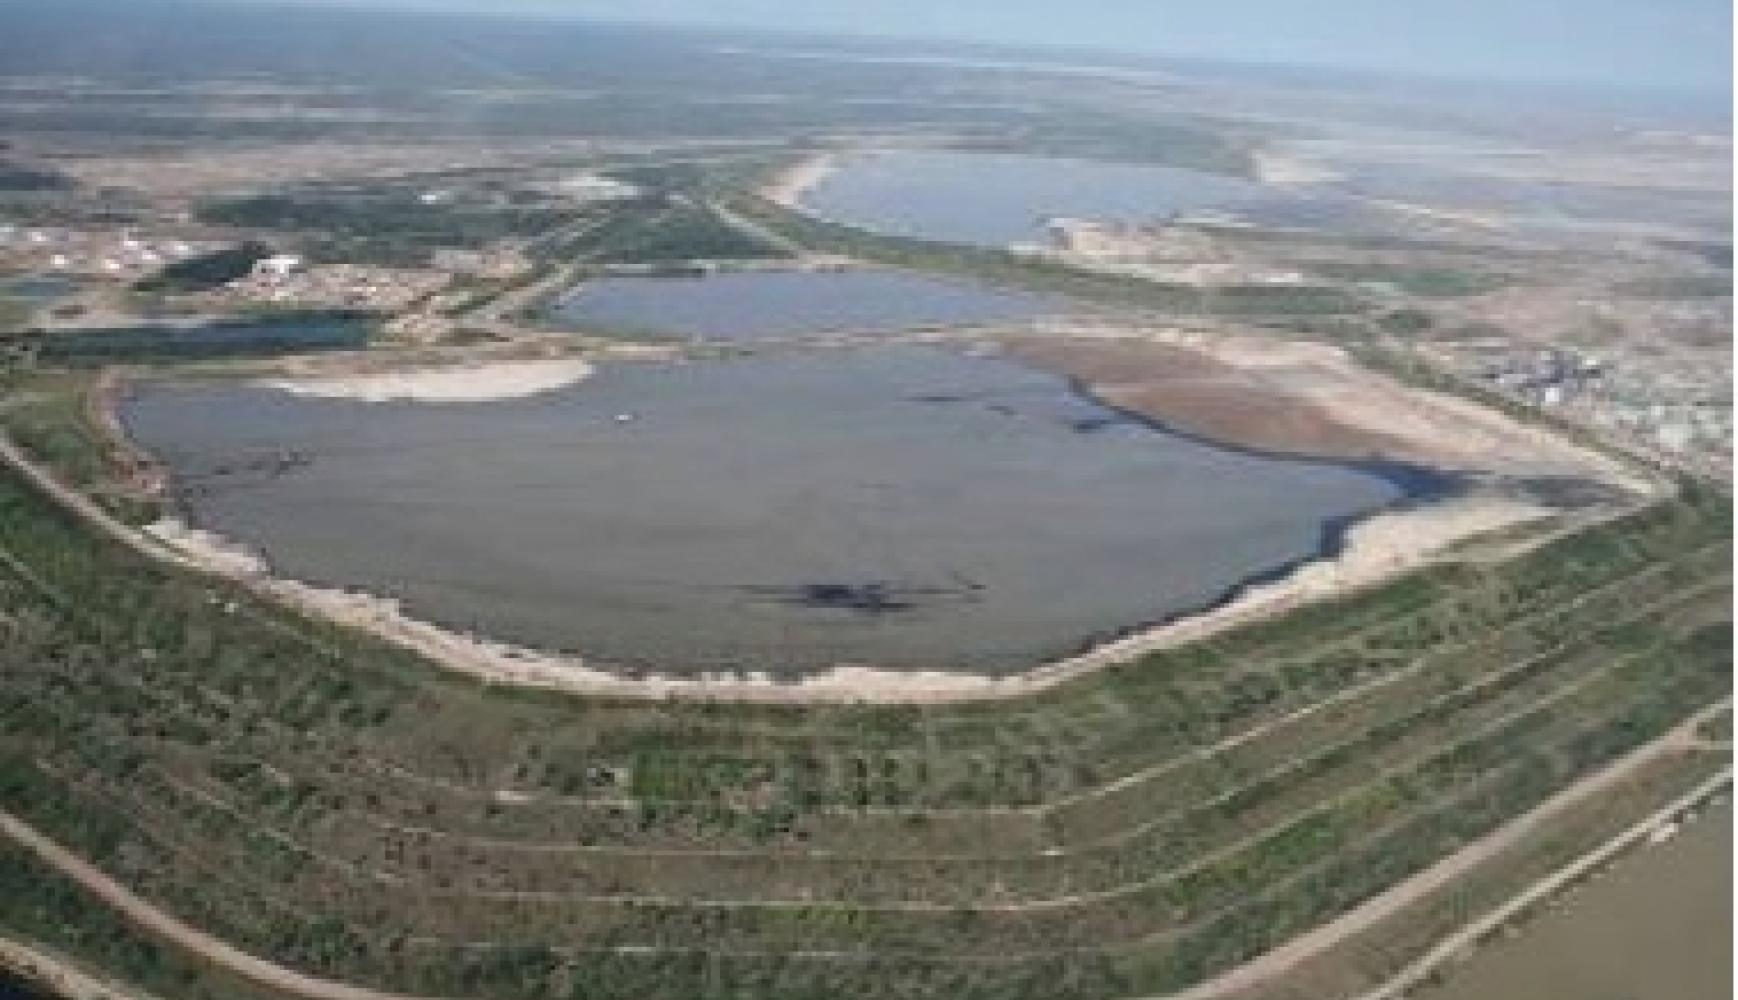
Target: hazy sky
(1673,43)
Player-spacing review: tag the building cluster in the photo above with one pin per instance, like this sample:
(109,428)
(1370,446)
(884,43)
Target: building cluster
(289,280)
(1547,377)
(1675,406)
(1684,414)
(124,255)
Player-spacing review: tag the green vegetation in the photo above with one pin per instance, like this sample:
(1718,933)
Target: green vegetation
(13,315)
(317,797)
(1405,322)
(1423,281)
(48,414)
(389,226)
(212,270)
(659,229)
(42,907)
(697,178)
(1042,274)
(270,332)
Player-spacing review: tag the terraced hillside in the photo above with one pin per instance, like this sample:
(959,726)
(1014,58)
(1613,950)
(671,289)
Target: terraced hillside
(336,806)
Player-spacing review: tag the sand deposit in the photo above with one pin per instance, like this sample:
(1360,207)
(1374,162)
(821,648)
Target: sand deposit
(468,384)
(1304,398)
(789,185)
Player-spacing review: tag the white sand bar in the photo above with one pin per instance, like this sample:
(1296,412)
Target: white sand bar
(468,384)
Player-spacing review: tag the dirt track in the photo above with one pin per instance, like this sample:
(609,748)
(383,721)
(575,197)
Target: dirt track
(61,978)
(1374,911)
(161,924)
(1263,968)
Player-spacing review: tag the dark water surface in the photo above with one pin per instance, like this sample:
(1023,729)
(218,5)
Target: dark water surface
(899,506)
(266,335)
(774,304)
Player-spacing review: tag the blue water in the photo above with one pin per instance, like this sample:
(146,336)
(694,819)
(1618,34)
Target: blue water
(758,305)
(995,199)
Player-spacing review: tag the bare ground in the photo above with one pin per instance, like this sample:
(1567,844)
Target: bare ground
(787,187)
(1302,398)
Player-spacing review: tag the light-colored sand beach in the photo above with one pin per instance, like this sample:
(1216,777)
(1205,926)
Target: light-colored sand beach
(789,185)
(1374,550)
(462,384)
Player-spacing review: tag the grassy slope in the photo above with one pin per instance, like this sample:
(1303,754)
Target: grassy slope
(245,768)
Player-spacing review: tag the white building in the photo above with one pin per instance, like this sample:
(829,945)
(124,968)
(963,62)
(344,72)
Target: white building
(278,266)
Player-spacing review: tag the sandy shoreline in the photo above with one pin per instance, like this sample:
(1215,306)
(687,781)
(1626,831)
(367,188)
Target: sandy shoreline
(789,185)
(461,384)
(1374,550)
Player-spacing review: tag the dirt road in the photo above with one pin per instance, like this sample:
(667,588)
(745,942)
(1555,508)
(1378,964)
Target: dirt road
(1280,960)
(1275,963)
(1419,972)
(165,926)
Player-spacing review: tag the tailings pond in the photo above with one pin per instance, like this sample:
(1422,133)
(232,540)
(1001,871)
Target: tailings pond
(759,305)
(899,506)
(1659,924)
(996,199)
